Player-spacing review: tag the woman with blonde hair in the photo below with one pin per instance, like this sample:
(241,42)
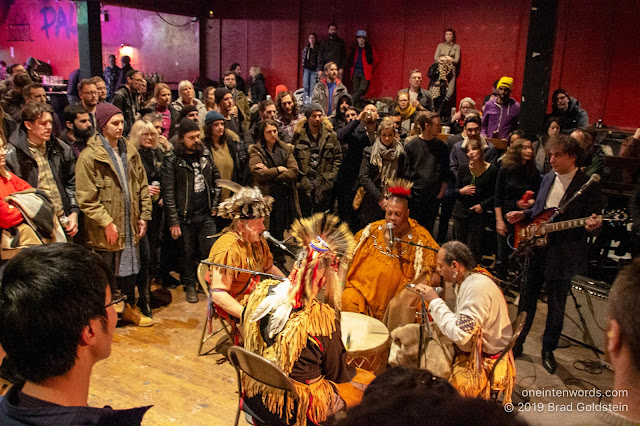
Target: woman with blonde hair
(187,96)
(144,136)
(381,162)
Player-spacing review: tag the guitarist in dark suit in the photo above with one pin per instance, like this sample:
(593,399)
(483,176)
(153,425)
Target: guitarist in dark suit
(566,251)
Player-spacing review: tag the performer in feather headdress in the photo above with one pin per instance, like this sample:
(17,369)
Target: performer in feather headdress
(286,324)
(242,246)
(381,268)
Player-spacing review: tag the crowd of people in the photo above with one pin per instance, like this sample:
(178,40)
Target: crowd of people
(153,186)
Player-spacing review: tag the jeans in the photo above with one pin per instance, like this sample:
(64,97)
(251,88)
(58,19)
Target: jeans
(195,246)
(360,87)
(309,79)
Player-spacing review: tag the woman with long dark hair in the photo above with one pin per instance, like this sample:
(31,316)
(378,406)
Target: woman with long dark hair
(309,65)
(517,175)
(551,128)
(475,192)
(275,171)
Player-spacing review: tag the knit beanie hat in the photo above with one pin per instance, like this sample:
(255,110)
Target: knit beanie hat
(281,88)
(187,125)
(213,116)
(186,110)
(313,107)
(220,93)
(104,112)
(505,82)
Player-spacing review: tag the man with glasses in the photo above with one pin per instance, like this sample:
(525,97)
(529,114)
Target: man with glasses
(126,99)
(57,319)
(458,156)
(567,109)
(89,98)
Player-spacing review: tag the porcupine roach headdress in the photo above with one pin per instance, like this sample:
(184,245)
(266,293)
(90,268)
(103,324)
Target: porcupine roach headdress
(325,242)
(400,187)
(245,203)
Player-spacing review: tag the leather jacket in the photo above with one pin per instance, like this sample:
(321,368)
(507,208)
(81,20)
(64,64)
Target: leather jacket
(178,183)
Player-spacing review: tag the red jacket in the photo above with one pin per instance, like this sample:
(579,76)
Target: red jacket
(368,68)
(9,215)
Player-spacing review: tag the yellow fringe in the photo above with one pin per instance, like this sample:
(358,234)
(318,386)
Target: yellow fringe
(315,319)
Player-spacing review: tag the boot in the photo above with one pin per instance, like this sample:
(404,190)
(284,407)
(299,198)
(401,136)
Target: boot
(192,294)
(133,315)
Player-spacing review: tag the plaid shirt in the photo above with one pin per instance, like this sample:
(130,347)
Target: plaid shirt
(46,181)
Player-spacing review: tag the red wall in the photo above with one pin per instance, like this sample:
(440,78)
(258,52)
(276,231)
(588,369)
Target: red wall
(597,52)
(597,58)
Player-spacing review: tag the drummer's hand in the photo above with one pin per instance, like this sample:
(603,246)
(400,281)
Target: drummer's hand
(427,292)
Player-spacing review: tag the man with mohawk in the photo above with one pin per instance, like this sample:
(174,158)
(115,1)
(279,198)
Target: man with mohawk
(241,245)
(381,268)
(286,324)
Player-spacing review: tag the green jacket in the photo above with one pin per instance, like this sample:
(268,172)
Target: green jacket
(100,197)
(317,183)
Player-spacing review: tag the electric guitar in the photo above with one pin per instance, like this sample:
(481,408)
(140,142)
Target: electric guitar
(534,233)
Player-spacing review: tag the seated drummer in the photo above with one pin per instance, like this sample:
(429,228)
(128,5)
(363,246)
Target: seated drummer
(480,326)
(380,270)
(241,245)
(286,324)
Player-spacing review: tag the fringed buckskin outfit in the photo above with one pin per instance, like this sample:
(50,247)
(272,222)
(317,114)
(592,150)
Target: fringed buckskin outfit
(286,324)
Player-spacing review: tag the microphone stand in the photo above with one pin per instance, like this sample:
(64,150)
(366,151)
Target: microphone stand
(414,244)
(425,329)
(248,271)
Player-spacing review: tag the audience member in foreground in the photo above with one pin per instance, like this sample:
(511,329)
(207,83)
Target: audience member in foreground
(480,326)
(409,396)
(623,345)
(57,319)
(286,324)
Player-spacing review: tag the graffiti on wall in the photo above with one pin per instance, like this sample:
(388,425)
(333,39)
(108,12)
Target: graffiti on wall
(57,20)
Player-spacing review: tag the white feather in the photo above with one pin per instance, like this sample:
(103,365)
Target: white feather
(278,305)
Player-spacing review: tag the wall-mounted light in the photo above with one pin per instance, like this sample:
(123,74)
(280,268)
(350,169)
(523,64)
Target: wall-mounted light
(126,50)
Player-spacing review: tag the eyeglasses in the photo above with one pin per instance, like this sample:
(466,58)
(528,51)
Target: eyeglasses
(91,93)
(118,298)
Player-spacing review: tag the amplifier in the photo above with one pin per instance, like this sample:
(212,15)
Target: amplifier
(585,315)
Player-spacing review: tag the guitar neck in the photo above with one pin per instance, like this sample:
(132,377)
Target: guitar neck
(566,224)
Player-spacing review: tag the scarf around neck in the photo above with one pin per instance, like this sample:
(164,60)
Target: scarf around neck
(406,113)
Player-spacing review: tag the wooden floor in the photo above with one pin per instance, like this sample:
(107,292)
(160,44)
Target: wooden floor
(159,366)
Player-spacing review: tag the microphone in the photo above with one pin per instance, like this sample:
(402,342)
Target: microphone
(389,226)
(438,289)
(275,241)
(594,178)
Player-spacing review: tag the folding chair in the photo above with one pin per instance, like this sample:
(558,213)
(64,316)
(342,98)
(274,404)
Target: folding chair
(259,369)
(517,326)
(224,326)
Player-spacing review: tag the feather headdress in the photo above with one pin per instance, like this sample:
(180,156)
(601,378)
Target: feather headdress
(245,203)
(400,187)
(326,242)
